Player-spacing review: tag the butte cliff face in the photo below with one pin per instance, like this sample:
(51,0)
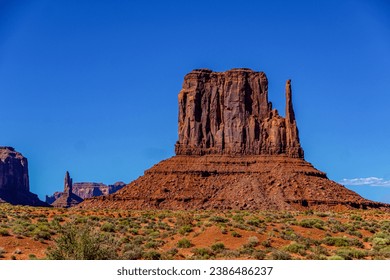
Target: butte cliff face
(14,180)
(229,113)
(234,152)
(88,190)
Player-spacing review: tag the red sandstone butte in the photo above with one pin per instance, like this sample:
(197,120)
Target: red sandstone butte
(234,152)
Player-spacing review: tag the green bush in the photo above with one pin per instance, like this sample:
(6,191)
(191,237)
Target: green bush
(312,223)
(202,253)
(218,219)
(349,254)
(280,255)
(342,242)
(218,247)
(296,248)
(185,229)
(75,243)
(184,243)
(253,241)
(151,255)
(256,222)
(108,227)
(4,232)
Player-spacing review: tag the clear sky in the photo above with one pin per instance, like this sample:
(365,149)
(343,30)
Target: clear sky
(91,86)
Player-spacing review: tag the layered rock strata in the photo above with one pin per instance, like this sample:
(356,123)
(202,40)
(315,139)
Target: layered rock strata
(88,190)
(234,152)
(14,180)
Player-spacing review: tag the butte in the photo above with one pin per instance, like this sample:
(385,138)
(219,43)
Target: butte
(234,152)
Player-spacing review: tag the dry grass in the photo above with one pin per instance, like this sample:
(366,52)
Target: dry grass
(29,233)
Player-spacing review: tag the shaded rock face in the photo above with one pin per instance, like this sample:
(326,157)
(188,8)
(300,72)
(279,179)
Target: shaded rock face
(234,152)
(88,190)
(67,198)
(229,113)
(14,180)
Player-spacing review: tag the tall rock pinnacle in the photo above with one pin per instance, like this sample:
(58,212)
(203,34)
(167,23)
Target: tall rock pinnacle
(229,113)
(68,198)
(68,183)
(292,137)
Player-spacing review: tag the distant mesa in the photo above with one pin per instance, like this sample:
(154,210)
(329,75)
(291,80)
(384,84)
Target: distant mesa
(88,189)
(14,180)
(234,151)
(68,198)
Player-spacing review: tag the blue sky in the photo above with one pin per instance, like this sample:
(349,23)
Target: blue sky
(91,86)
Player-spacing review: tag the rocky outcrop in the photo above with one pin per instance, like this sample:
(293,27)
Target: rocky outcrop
(234,152)
(68,198)
(14,180)
(229,113)
(88,190)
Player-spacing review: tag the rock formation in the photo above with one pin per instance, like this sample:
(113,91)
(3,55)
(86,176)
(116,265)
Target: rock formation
(14,180)
(234,152)
(88,190)
(229,113)
(68,198)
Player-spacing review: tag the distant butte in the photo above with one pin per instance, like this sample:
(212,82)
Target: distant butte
(14,179)
(234,152)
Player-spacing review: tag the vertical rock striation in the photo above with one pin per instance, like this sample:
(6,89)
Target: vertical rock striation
(229,113)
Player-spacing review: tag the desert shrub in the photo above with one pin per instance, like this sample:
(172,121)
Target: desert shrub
(385,226)
(342,242)
(355,233)
(108,227)
(132,252)
(75,243)
(336,226)
(218,219)
(32,257)
(253,241)
(280,255)
(152,244)
(151,255)
(235,234)
(312,223)
(350,253)
(256,222)
(4,232)
(202,253)
(266,243)
(259,255)
(218,247)
(184,243)
(2,252)
(40,234)
(321,214)
(356,217)
(184,219)
(336,258)
(295,248)
(238,218)
(185,229)
(380,240)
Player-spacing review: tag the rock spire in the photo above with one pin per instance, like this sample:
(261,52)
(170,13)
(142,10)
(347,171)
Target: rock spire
(68,198)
